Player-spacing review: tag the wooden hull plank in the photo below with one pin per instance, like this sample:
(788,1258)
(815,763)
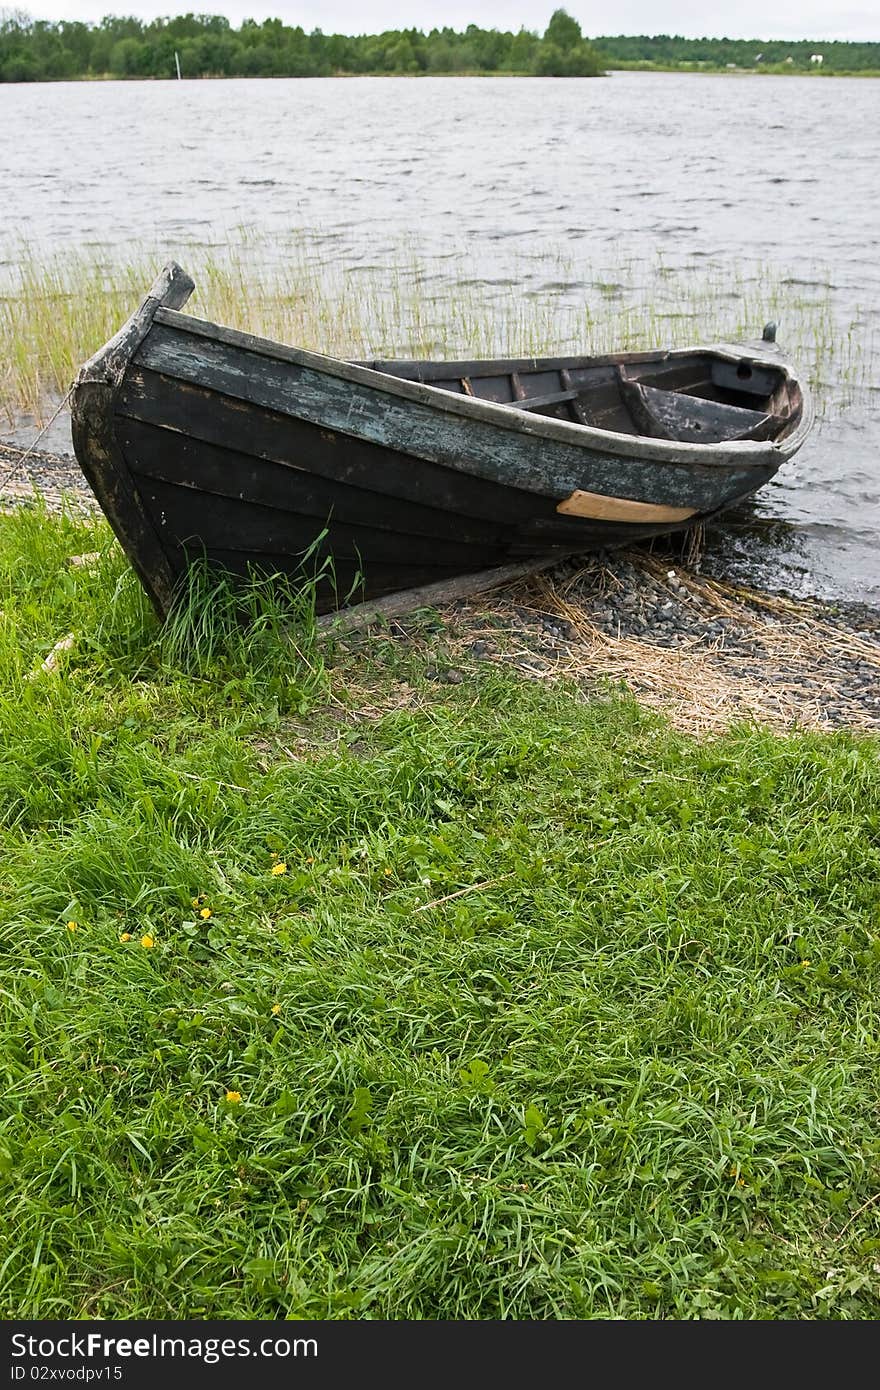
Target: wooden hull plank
(181,514)
(342,583)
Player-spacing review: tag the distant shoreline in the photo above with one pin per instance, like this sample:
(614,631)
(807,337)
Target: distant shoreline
(687,69)
(763,70)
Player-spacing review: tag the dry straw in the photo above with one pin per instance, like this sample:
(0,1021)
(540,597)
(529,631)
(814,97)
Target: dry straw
(791,675)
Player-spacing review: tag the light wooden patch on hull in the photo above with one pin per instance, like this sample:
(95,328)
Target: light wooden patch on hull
(601,508)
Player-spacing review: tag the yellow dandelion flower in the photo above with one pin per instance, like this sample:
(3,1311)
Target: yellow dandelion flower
(233,1097)
(805,964)
(205,913)
(279,868)
(148,941)
(200,898)
(125,936)
(276,1010)
(73,926)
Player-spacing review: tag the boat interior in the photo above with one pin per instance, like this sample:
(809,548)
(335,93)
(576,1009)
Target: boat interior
(695,398)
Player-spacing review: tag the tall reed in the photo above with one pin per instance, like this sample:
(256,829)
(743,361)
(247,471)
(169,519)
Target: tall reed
(55,312)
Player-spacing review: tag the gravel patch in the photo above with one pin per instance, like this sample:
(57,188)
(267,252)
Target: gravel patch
(56,478)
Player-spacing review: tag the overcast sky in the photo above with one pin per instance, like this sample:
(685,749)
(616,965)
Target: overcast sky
(808,19)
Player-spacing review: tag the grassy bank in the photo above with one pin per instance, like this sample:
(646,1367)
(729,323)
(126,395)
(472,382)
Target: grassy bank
(56,311)
(327,994)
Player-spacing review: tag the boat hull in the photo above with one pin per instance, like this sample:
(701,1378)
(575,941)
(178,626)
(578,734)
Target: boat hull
(202,442)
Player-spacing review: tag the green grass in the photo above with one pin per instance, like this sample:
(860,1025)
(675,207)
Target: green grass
(56,311)
(631,1072)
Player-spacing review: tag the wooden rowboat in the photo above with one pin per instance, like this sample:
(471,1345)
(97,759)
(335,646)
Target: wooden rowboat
(200,441)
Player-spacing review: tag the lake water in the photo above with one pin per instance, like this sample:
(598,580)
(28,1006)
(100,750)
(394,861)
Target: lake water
(719,180)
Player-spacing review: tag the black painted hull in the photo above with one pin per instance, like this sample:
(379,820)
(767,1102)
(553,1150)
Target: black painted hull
(202,442)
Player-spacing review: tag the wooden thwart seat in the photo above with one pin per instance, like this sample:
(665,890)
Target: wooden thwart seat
(549,398)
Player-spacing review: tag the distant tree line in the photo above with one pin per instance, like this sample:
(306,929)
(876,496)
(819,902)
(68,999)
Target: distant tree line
(208,46)
(664,50)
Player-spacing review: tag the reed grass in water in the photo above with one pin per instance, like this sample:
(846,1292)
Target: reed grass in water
(55,312)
